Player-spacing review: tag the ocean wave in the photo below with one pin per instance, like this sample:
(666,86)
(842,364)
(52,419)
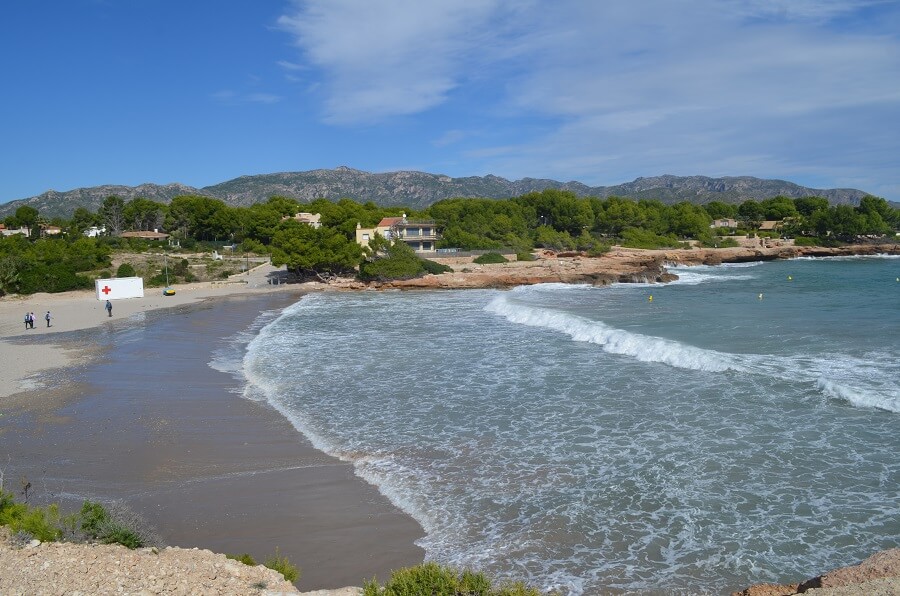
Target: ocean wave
(860,381)
(864,398)
(616,341)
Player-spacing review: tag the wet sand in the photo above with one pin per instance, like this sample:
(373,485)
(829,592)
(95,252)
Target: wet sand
(152,423)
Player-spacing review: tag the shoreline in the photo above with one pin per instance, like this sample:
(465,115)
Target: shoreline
(171,436)
(66,349)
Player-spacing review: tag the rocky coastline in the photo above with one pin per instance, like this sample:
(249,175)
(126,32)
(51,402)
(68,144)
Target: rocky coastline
(619,265)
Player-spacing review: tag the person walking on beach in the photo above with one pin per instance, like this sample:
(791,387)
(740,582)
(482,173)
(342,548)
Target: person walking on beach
(27,320)
(109,307)
(31,320)
(47,318)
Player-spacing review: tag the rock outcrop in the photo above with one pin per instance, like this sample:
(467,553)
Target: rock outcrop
(65,568)
(879,575)
(620,265)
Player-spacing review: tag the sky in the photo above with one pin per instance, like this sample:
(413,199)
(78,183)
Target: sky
(199,92)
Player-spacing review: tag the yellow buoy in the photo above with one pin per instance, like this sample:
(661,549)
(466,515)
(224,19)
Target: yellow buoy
(790,278)
(650,299)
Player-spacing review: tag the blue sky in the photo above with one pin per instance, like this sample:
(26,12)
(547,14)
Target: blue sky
(199,92)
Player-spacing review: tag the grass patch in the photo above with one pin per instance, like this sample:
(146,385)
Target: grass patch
(281,564)
(437,580)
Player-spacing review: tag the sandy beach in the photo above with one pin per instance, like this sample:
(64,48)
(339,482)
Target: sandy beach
(132,410)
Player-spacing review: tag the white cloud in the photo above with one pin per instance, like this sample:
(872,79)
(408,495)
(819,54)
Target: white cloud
(388,58)
(621,88)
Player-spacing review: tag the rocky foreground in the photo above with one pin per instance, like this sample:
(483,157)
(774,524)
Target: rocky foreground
(37,569)
(64,568)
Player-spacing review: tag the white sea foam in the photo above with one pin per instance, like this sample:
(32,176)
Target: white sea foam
(865,398)
(859,382)
(616,341)
(229,356)
(577,471)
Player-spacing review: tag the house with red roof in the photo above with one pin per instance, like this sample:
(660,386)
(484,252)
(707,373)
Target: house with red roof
(420,235)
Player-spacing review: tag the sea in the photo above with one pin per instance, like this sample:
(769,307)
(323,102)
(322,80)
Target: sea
(739,425)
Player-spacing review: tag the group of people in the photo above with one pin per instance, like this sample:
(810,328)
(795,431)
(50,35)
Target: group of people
(29,316)
(29,319)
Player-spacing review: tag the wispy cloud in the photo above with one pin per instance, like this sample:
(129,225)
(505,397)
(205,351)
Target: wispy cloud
(228,96)
(764,87)
(389,58)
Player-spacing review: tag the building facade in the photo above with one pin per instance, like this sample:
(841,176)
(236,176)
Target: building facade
(420,235)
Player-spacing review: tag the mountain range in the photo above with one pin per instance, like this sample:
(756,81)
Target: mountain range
(418,190)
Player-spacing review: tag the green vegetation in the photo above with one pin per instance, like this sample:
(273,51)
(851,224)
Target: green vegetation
(390,260)
(435,268)
(282,565)
(110,524)
(489,258)
(243,558)
(637,238)
(435,580)
(552,219)
(125,270)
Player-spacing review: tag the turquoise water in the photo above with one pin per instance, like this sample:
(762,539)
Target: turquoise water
(743,426)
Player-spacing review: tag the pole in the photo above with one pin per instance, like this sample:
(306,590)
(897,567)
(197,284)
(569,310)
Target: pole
(166,261)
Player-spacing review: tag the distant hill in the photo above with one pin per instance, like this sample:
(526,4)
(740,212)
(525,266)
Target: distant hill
(418,190)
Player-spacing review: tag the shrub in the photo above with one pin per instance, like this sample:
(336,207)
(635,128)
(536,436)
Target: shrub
(436,580)
(284,567)
(244,558)
(156,281)
(113,525)
(640,238)
(525,256)
(400,262)
(125,270)
(40,523)
(435,268)
(806,241)
(490,258)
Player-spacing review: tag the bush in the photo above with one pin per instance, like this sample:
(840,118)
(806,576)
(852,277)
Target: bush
(436,580)
(640,238)
(125,270)
(490,258)
(284,567)
(806,241)
(525,256)
(51,278)
(113,525)
(244,558)
(156,281)
(435,268)
(400,262)
(41,523)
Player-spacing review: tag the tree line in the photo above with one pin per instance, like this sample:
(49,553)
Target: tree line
(552,219)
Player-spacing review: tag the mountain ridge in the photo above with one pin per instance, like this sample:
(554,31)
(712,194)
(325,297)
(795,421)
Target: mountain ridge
(418,190)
